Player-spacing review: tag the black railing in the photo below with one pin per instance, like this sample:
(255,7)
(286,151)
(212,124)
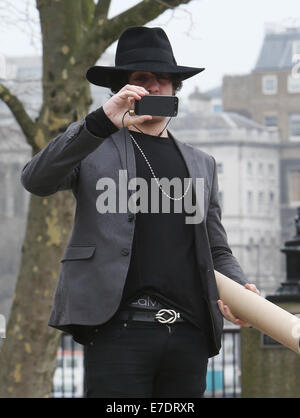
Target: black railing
(69,373)
(222,381)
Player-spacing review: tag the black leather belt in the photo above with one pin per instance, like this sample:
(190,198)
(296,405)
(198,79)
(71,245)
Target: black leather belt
(164,316)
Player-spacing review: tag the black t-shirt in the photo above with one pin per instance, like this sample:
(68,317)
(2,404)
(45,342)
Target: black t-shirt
(163,261)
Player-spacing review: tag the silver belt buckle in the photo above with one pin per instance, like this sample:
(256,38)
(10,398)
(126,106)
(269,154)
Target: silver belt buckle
(173,316)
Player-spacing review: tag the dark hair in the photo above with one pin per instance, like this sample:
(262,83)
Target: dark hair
(120,80)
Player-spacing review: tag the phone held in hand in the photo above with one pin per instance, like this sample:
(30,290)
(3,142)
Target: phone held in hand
(157,105)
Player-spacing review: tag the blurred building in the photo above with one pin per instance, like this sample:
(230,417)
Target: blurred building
(270,95)
(215,95)
(247,156)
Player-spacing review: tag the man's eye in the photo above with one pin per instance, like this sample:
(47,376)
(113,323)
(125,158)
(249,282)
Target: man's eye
(140,78)
(163,77)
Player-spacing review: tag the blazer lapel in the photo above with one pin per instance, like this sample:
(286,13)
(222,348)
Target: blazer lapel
(124,145)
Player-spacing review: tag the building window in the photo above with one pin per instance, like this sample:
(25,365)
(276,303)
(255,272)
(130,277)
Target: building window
(260,201)
(249,168)
(293,84)
(252,256)
(294,187)
(269,84)
(294,124)
(271,169)
(296,48)
(270,121)
(217,108)
(260,169)
(250,201)
(271,201)
(220,168)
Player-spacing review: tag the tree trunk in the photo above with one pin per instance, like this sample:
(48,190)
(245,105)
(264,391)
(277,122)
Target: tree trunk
(30,344)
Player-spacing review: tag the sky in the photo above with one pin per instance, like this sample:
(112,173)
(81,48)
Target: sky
(224,36)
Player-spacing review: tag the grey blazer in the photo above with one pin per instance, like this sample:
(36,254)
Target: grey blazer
(95,263)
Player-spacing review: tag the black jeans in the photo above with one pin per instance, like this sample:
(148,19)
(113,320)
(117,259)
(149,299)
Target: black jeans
(132,359)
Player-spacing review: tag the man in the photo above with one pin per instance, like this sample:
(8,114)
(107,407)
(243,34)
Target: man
(137,288)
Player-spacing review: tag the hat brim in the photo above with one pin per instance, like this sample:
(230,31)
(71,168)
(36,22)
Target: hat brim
(102,76)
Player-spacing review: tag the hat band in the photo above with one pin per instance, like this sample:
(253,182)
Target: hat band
(145,55)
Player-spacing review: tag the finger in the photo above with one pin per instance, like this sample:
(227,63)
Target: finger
(221,306)
(242,323)
(229,315)
(126,94)
(137,89)
(252,287)
(226,311)
(131,102)
(139,119)
(135,119)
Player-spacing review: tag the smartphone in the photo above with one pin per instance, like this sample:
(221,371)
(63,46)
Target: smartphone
(157,105)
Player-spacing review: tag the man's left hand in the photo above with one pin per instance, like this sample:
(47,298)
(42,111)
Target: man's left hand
(229,315)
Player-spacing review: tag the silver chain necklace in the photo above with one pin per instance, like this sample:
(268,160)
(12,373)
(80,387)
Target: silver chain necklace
(152,171)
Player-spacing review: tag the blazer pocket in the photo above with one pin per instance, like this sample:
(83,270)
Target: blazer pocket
(78,253)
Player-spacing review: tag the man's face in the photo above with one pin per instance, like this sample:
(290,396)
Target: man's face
(155,83)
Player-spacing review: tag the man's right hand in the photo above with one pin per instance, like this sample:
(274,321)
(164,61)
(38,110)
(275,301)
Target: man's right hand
(122,101)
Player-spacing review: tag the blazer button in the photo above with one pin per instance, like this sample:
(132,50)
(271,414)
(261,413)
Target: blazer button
(130,217)
(124,251)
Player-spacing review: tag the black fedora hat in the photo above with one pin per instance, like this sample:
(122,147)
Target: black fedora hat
(141,49)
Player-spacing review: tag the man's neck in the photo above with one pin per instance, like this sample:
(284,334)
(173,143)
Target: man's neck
(151,128)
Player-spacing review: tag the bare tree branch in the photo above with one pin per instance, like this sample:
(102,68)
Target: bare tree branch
(22,16)
(87,11)
(145,12)
(106,31)
(101,10)
(172,16)
(26,123)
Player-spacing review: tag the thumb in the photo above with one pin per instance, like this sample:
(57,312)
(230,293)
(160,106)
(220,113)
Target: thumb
(139,119)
